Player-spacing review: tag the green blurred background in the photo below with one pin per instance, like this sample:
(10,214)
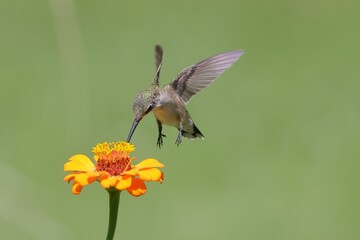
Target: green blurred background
(281,154)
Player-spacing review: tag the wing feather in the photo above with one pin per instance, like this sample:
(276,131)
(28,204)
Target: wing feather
(197,77)
(158,63)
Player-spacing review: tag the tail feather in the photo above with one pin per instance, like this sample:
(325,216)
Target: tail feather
(194,134)
(197,133)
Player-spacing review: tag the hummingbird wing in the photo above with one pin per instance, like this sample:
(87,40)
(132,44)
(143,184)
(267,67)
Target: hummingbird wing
(158,64)
(197,77)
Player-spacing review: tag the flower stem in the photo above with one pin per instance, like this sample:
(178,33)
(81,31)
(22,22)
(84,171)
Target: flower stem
(114,199)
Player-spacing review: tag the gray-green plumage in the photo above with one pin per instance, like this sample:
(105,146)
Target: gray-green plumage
(168,102)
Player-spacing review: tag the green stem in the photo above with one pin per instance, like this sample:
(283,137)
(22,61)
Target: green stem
(114,199)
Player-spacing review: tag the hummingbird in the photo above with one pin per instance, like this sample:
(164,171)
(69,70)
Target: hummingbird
(168,102)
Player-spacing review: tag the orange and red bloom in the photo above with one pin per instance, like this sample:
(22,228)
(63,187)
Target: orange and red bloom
(113,169)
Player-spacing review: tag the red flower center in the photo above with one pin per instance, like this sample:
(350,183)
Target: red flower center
(115,163)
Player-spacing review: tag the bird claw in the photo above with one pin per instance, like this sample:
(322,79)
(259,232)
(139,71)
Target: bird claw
(178,139)
(160,140)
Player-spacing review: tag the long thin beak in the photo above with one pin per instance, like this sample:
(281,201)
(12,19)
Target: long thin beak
(132,130)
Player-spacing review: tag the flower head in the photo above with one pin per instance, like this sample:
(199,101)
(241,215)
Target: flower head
(113,168)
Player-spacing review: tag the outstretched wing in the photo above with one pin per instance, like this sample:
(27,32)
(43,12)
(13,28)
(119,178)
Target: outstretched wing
(195,78)
(158,63)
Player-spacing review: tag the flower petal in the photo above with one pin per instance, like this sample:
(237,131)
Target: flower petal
(124,182)
(137,187)
(132,172)
(79,162)
(113,181)
(105,182)
(70,177)
(76,188)
(108,181)
(149,163)
(84,179)
(151,174)
(161,177)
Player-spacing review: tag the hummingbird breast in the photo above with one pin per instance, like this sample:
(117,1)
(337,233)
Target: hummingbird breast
(170,109)
(167,114)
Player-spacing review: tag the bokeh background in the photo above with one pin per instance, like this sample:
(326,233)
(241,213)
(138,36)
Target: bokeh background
(281,154)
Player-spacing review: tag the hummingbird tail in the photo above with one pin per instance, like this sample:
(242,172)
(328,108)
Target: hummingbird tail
(197,133)
(194,134)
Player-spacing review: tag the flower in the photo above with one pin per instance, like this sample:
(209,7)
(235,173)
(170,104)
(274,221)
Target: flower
(113,169)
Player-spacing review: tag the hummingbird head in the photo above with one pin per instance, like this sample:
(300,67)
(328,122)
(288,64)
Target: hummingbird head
(144,102)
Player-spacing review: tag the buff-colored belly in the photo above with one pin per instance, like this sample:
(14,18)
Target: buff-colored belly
(167,114)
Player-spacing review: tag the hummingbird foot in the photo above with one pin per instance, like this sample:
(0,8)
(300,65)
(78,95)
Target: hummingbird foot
(160,139)
(178,139)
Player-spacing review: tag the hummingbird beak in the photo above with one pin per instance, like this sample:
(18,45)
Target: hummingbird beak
(132,130)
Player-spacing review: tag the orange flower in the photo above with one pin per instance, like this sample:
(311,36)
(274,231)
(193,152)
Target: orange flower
(113,169)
